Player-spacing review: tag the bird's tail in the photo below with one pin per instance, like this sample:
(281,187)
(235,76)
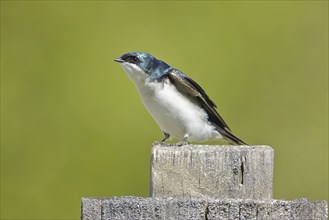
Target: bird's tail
(230,137)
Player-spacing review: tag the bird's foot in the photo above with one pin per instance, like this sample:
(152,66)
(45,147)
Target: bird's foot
(181,143)
(166,136)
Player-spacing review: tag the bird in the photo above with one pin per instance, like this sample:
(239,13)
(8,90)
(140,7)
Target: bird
(178,104)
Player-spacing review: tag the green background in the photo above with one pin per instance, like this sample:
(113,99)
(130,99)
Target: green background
(72,123)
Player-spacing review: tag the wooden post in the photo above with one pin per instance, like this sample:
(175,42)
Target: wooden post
(129,207)
(203,171)
(206,182)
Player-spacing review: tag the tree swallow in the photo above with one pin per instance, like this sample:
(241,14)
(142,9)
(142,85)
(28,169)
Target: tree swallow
(177,103)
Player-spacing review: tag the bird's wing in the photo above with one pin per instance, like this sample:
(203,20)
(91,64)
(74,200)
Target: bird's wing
(196,94)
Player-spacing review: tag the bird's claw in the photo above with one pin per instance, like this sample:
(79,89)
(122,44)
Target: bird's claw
(181,143)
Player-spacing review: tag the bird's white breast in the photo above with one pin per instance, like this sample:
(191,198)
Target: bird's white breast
(173,112)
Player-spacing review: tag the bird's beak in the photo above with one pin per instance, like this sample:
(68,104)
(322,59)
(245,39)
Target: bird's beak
(119,60)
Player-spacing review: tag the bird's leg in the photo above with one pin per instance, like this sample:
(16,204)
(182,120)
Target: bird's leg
(166,136)
(183,141)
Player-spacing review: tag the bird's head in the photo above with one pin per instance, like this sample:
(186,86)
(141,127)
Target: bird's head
(141,66)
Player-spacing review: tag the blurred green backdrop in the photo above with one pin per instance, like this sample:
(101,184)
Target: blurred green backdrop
(72,124)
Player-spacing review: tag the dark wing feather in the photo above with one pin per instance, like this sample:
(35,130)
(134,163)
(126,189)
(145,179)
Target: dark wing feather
(196,94)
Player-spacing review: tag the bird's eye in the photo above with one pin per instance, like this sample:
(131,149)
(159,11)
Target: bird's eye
(132,59)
